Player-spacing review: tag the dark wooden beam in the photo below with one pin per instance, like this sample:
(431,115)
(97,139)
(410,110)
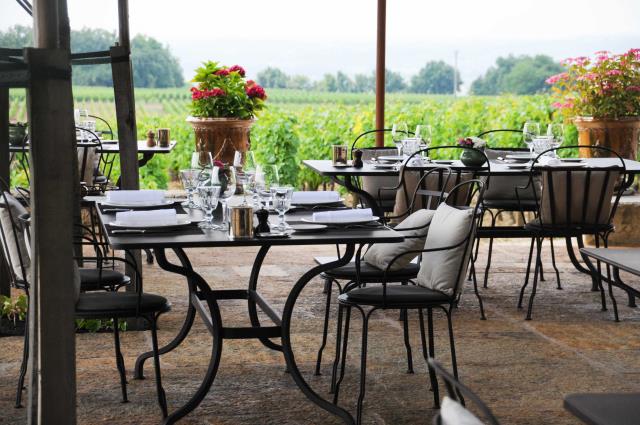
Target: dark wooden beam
(380,69)
(124,37)
(5,288)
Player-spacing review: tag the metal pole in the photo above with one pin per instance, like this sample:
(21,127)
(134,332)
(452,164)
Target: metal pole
(5,288)
(380,70)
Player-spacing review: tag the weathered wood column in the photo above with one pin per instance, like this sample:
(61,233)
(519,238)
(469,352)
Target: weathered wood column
(52,395)
(5,289)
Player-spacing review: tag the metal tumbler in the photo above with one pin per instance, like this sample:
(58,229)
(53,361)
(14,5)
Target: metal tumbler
(241,222)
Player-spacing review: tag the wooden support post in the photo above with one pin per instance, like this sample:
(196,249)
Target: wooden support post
(5,288)
(50,111)
(380,69)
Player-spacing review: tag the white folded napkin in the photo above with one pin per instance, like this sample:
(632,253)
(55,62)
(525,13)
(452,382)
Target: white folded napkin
(549,161)
(343,215)
(135,196)
(311,197)
(165,217)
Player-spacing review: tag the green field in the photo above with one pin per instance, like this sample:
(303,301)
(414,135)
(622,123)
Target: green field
(298,125)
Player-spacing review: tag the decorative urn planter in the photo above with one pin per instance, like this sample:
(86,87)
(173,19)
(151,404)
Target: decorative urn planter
(621,135)
(472,158)
(222,136)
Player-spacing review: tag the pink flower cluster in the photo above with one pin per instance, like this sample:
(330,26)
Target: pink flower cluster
(614,72)
(197,94)
(589,76)
(635,89)
(254,90)
(222,72)
(558,77)
(580,61)
(561,105)
(465,141)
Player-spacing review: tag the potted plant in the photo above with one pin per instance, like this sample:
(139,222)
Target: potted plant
(471,157)
(223,107)
(602,97)
(13,313)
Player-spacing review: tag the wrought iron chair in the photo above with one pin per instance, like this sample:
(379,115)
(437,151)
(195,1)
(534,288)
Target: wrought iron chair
(114,306)
(458,392)
(500,197)
(415,297)
(575,202)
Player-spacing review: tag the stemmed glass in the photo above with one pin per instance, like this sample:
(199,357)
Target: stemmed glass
(201,160)
(424,132)
(281,199)
(226,179)
(189,179)
(530,131)
(209,194)
(246,177)
(268,177)
(399,131)
(556,131)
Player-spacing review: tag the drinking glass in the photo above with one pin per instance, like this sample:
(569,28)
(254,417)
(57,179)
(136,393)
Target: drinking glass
(84,122)
(268,177)
(399,131)
(201,160)
(246,173)
(209,194)
(226,179)
(189,178)
(556,131)
(281,199)
(424,132)
(530,131)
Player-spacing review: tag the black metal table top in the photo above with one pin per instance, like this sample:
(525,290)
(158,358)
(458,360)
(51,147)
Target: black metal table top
(109,146)
(627,259)
(605,409)
(217,238)
(325,167)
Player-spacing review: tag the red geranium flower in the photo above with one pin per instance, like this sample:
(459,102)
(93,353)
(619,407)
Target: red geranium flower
(256,91)
(237,68)
(222,72)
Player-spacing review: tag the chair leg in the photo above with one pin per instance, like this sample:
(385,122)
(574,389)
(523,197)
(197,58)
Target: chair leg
(526,277)
(325,326)
(537,267)
(432,354)
(363,365)
(475,289)
(327,285)
(432,375)
(162,398)
(343,360)
(120,360)
(599,277)
(489,252)
(452,346)
(336,360)
(23,365)
(407,345)
(553,263)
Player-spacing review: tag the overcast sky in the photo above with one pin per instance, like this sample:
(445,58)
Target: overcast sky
(314,37)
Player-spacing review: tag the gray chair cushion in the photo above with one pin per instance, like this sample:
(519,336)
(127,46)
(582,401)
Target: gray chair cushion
(444,270)
(13,241)
(380,255)
(372,273)
(95,279)
(396,295)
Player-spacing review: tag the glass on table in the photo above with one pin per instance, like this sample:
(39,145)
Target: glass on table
(556,131)
(268,177)
(530,131)
(201,160)
(339,154)
(225,177)
(281,200)
(209,194)
(189,178)
(399,132)
(424,133)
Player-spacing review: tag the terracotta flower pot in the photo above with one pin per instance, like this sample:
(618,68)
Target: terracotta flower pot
(621,135)
(222,136)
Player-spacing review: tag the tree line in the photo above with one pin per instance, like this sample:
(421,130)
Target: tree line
(511,74)
(153,63)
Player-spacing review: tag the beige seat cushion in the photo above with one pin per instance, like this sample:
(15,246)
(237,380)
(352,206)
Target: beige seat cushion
(454,413)
(87,164)
(13,243)
(579,197)
(380,255)
(445,270)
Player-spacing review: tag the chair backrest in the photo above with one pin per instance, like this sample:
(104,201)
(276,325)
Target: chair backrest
(442,179)
(88,157)
(459,392)
(12,242)
(361,136)
(576,197)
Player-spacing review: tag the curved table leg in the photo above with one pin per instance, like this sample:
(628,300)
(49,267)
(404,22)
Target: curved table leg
(578,266)
(286,335)
(202,290)
(253,285)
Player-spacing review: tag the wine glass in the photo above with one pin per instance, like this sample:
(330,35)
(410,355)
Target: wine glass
(530,131)
(268,177)
(189,178)
(246,177)
(209,194)
(424,132)
(399,131)
(226,179)
(556,131)
(281,199)
(201,160)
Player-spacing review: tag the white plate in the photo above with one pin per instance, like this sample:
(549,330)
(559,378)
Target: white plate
(182,220)
(385,166)
(307,203)
(524,156)
(138,204)
(341,223)
(394,158)
(518,166)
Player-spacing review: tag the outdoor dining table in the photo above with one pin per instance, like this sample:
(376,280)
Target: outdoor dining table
(348,177)
(203,299)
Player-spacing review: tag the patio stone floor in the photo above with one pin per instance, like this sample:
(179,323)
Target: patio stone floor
(522,369)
